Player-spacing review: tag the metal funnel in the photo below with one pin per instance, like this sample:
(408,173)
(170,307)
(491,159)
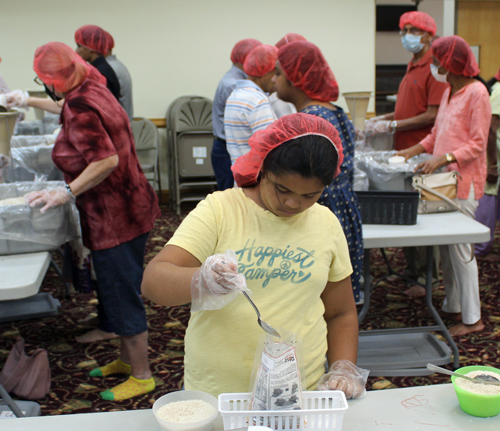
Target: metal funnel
(7,124)
(357,102)
(39,113)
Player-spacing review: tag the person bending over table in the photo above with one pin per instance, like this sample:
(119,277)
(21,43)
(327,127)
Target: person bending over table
(458,141)
(291,251)
(96,153)
(305,79)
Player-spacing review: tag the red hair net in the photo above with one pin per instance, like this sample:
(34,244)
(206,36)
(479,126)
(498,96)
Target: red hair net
(420,20)
(455,55)
(242,48)
(94,38)
(246,169)
(59,65)
(111,41)
(289,37)
(306,68)
(260,60)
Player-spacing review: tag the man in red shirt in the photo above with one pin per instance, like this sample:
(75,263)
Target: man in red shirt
(417,105)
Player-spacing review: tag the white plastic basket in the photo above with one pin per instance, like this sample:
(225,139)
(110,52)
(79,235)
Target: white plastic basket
(322,410)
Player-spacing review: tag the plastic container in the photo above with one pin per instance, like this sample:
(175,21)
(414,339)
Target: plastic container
(483,406)
(388,207)
(322,411)
(396,161)
(205,425)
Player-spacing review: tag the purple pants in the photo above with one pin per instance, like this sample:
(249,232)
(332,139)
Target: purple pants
(487,213)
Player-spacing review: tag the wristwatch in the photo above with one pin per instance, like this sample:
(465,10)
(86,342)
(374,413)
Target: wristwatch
(449,158)
(68,190)
(394,124)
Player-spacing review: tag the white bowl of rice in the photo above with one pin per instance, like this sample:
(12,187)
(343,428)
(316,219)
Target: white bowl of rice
(186,411)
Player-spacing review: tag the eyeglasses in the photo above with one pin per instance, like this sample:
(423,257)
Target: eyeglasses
(38,81)
(414,31)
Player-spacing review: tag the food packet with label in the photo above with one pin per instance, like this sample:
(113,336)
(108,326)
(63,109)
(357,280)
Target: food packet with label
(278,376)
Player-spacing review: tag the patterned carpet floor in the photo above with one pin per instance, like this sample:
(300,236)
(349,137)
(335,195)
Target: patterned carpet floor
(74,391)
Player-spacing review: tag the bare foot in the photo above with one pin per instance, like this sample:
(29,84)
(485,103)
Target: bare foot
(463,329)
(490,257)
(96,335)
(416,291)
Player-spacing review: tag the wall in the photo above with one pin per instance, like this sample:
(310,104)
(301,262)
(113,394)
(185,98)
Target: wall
(178,47)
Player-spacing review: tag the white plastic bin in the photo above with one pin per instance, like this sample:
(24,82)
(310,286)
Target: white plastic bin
(322,411)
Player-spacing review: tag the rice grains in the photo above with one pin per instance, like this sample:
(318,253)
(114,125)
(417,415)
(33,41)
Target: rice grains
(478,388)
(185,412)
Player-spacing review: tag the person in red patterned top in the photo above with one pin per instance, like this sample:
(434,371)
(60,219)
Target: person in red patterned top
(95,151)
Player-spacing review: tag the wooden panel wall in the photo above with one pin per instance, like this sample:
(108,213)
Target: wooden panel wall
(478,22)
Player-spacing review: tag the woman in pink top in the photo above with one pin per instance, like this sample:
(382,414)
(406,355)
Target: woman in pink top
(458,141)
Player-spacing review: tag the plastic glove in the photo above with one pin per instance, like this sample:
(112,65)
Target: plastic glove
(17,99)
(217,282)
(375,128)
(51,198)
(346,377)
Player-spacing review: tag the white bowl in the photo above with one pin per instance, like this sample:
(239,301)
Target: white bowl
(396,161)
(205,425)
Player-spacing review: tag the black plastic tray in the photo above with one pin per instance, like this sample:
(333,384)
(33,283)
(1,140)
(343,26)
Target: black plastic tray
(388,207)
(401,354)
(39,305)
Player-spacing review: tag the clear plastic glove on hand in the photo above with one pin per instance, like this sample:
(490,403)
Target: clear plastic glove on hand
(217,282)
(17,99)
(346,377)
(382,126)
(51,198)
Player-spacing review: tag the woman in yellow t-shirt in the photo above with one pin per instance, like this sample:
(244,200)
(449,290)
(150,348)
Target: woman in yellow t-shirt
(291,252)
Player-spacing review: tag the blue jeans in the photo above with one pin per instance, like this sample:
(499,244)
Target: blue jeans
(119,276)
(221,164)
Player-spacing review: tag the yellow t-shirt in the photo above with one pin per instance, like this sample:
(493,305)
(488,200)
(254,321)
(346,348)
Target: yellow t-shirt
(287,263)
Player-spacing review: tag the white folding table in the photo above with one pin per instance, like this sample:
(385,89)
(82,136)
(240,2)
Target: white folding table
(430,230)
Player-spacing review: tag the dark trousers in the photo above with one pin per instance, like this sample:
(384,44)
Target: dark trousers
(221,164)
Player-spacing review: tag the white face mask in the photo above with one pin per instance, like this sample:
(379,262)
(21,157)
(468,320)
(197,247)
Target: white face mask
(411,42)
(438,77)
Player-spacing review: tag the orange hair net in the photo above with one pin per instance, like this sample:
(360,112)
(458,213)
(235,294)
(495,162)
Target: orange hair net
(261,60)
(420,20)
(242,48)
(57,64)
(94,38)
(455,56)
(289,37)
(306,68)
(246,169)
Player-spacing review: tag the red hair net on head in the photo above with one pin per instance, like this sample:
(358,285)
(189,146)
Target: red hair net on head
(455,55)
(242,48)
(246,169)
(420,20)
(111,41)
(94,38)
(260,60)
(289,37)
(59,65)
(306,68)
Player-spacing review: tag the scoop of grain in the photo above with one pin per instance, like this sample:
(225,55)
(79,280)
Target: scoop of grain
(479,388)
(185,412)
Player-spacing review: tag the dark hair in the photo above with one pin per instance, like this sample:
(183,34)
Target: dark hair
(309,156)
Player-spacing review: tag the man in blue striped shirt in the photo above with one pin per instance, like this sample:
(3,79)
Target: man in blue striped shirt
(248,108)
(221,162)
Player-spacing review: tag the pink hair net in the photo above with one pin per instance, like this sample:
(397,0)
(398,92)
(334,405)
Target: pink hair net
(242,48)
(246,169)
(111,41)
(59,65)
(306,68)
(94,38)
(260,60)
(289,37)
(420,20)
(455,55)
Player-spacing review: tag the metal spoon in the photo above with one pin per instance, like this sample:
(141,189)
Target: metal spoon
(484,379)
(265,326)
